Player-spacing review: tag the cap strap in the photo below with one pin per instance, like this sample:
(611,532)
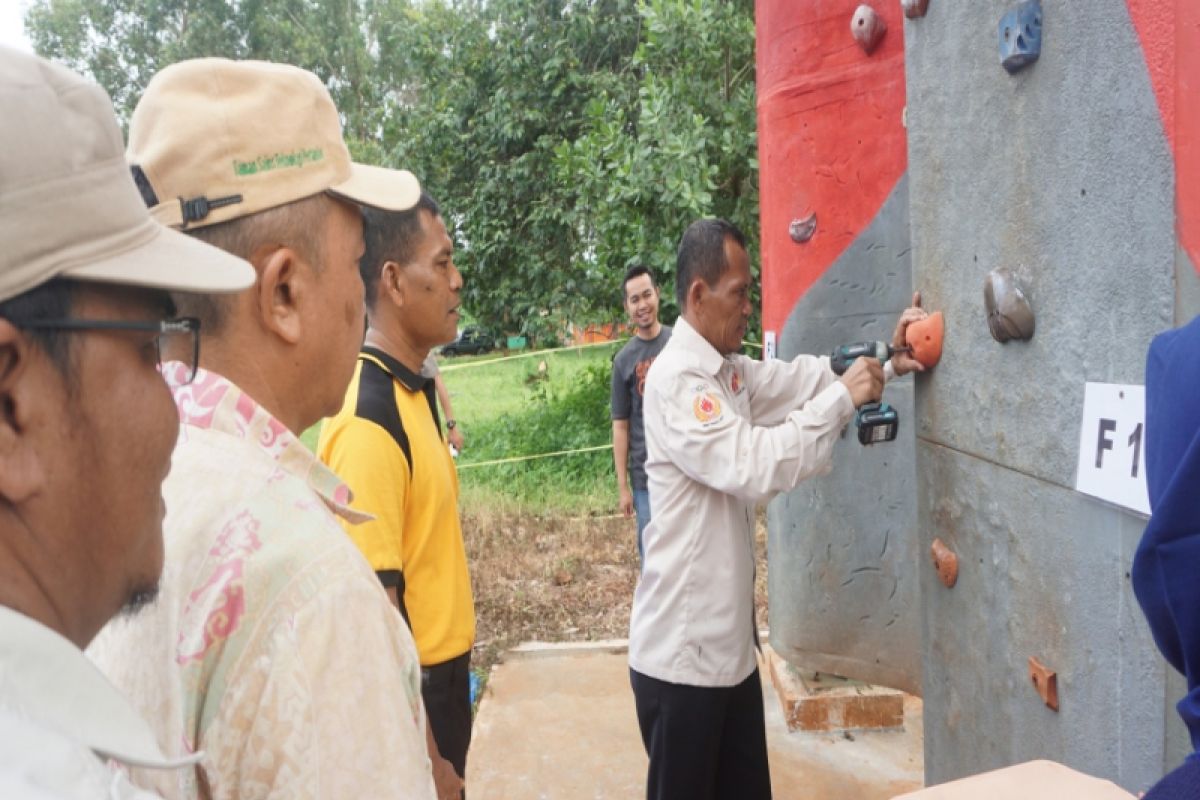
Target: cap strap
(198,208)
(179,213)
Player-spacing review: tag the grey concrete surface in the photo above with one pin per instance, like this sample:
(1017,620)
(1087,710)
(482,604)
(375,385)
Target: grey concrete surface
(1062,173)
(843,590)
(1047,579)
(1187,289)
(562,726)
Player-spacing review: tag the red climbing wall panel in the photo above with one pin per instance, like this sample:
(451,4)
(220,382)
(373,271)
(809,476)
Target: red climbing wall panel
(830,141)
(1170,38)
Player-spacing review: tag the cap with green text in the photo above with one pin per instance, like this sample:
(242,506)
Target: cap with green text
(216,140)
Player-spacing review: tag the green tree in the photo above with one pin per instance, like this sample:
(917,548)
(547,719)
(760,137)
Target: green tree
(686,148)
(123,43)
(564,139)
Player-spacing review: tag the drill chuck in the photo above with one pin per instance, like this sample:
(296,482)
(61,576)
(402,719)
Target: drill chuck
(846,354)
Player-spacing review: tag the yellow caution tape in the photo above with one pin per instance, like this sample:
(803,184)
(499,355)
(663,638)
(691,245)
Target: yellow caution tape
(515,459)
(530,354)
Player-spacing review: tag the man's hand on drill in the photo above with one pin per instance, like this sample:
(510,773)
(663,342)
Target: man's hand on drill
(903,362)
(864,381)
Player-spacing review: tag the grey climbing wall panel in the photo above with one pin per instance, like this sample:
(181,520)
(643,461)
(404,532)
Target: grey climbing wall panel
(1057,175)
(842,548)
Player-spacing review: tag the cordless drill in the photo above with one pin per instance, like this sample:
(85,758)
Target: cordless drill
(876,422)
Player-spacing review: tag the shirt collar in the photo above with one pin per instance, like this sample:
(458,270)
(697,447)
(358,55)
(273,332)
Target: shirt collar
(45,678)
(412,381)
(213,402)
(684,335)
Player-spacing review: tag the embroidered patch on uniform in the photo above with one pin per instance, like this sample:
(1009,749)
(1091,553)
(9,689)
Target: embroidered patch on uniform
(706,407)
(735,383)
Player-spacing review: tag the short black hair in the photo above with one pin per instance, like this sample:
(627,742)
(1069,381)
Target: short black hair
(390,236)
(702,254)
(636,271)
(54,299)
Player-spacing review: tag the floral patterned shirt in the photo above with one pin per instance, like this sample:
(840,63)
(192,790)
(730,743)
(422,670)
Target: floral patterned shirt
(272,647)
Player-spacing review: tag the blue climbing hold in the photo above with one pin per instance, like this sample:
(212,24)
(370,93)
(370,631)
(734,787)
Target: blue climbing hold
(1021,35)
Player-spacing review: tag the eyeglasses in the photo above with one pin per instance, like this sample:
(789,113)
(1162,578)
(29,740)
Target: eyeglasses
(181,326)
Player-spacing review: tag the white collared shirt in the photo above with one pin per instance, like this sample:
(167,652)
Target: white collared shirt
(60,719)
(723,434)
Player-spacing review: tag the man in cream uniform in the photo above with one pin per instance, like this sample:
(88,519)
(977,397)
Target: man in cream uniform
(272,647)
(87,425)
(724,433)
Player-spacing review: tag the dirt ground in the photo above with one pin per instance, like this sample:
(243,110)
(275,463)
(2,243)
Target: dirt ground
(559,579)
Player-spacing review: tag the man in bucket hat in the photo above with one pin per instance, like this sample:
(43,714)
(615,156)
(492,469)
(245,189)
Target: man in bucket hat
(87,425)
(273,647)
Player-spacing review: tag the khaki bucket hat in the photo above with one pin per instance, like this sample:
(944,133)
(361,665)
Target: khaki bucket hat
(68,205)
(216,140)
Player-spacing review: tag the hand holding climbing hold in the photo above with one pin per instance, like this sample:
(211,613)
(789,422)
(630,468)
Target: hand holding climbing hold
(925,339)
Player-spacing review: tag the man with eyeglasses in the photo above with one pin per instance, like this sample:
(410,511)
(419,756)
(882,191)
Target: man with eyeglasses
(87,424)
(273,648)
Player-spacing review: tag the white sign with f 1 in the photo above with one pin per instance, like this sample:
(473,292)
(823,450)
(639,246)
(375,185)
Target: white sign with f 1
(1112,445)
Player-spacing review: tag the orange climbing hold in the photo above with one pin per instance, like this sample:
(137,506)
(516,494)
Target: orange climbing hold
(925,339)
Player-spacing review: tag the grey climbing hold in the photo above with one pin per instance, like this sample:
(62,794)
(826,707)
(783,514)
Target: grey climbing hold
(801,230)
(867,27)
(1009,314)
(914,9)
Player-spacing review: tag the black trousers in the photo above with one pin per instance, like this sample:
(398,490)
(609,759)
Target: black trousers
(704,743)
(446,690)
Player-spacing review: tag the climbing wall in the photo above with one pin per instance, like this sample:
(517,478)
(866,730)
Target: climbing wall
(842,588)
(1064,172)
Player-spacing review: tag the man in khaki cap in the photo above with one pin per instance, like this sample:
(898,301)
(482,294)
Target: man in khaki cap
(86,424)
(272,648)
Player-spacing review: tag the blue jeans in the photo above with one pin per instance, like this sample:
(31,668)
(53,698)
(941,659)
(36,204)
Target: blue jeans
(641,507)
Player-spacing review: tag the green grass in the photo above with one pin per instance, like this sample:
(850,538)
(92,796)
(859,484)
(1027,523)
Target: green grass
(510,407)
(483,388)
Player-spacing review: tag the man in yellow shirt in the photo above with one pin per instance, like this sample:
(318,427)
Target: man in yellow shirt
(387,444)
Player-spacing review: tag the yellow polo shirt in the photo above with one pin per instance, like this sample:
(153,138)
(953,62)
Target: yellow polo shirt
(386,444)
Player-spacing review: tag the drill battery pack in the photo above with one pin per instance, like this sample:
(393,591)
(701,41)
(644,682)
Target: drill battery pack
(877,422)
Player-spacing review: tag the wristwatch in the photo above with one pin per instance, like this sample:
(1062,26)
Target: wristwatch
(450,424)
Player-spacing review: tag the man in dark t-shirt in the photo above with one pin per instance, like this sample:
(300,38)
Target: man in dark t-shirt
(628,385)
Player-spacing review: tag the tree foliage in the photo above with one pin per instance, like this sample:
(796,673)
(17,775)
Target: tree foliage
(564,139)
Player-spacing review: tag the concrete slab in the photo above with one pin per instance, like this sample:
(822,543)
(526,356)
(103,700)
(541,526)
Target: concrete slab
(562,726)
(557,727)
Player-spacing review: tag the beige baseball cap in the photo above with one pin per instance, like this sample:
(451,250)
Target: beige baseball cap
(217,139)
(68,205)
